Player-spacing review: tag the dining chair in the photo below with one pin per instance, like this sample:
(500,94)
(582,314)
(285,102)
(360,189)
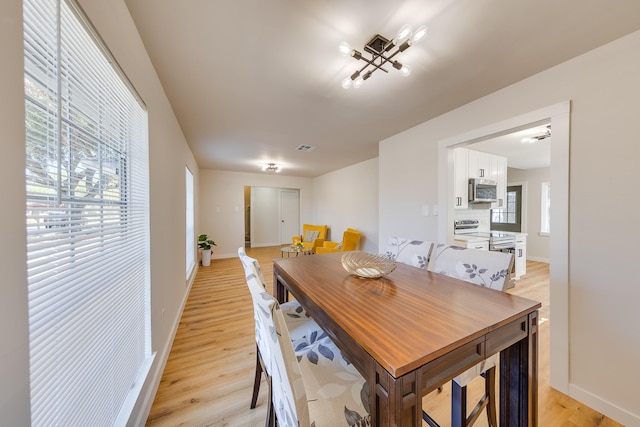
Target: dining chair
(299,324)
(313,384)
(490,269)
(409,251)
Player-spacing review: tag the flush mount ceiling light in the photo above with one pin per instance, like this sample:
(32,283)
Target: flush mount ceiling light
(271,167)
(381,52)
(536,138)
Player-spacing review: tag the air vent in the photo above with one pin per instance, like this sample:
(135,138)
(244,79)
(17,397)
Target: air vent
(307,148)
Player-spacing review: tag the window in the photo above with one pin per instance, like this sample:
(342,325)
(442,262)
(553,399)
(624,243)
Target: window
(509,218)
(190,231)
(87,224)
(545,209)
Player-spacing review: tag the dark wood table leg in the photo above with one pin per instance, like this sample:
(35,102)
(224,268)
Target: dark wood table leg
(519,380)
(397,401)
(279,289)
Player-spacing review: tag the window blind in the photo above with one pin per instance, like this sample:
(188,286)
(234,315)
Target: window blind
(190,230)
(87,223)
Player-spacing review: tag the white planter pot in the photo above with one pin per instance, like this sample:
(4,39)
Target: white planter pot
(206,257)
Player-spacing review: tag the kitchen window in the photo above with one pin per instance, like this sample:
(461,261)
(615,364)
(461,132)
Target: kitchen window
(545,209)
(509,218)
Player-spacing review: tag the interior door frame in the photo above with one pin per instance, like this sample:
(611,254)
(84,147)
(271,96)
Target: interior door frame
(559,115)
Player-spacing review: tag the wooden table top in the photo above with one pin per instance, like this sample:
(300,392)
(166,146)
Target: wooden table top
(406,319)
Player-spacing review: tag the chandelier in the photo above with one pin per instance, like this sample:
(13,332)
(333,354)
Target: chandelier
(271,167)
(381,52)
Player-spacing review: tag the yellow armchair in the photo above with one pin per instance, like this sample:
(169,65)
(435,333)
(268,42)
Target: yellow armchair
(312,236)
(350,242)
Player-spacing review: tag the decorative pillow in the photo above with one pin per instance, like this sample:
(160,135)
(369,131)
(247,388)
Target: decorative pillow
(310,236)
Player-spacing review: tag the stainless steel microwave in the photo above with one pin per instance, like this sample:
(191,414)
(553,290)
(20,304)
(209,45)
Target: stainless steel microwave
(482,191)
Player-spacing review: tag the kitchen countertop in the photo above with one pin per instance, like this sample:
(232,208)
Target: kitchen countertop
(468,238)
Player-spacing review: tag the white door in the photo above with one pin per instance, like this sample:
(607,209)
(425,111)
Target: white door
(289,215)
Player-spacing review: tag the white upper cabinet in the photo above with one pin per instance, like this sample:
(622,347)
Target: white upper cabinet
(461,178)
(499,174)
(476,164)
(479,164)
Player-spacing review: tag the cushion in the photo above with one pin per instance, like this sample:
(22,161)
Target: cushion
(310,236)
(411,252)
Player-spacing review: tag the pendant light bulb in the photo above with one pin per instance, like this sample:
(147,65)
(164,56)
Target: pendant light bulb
(404,32)
(346,83)
(345,48)
(405,70)
(420,33)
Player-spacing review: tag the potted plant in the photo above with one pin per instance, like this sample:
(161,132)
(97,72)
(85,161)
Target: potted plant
(204,244)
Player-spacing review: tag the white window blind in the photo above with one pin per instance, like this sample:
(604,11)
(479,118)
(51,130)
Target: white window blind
(191,229)
(545,208)
(87,224)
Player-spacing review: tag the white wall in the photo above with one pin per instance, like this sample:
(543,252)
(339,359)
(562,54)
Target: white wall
(168,153)
(222,205)
(408,181)
(537,245)
(349,198)
(604,90)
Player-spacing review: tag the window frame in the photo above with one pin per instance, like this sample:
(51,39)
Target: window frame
(517,225)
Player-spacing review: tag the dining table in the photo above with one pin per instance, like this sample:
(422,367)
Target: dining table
(412,330)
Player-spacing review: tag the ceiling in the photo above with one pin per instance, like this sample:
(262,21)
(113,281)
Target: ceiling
(249,81)
(532,153)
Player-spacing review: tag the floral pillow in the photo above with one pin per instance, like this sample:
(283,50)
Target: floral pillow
(310,236)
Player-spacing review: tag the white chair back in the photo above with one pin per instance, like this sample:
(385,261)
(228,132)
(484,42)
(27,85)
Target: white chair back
(409,251)
(491,269)
(293,346)
(288,392)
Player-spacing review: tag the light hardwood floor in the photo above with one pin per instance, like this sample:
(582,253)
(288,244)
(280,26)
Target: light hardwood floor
(209,375)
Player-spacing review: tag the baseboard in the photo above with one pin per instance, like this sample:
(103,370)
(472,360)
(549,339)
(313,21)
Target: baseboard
(609,409)
(142,408)
(264,245)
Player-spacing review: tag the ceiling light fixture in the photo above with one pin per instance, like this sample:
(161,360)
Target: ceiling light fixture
(271,167)
(536,138)
(382,52)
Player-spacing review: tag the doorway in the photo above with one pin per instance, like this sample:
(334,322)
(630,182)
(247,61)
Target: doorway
(558,116)
(509,218)
(271,215)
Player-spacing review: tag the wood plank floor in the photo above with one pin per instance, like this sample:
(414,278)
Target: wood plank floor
(209,375)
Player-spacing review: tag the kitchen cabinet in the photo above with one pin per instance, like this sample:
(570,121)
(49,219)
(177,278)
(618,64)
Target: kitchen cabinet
(471,242)
(499,175)
(479,165)
(460,178)
(521,256)
(482,245)
(476,164)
